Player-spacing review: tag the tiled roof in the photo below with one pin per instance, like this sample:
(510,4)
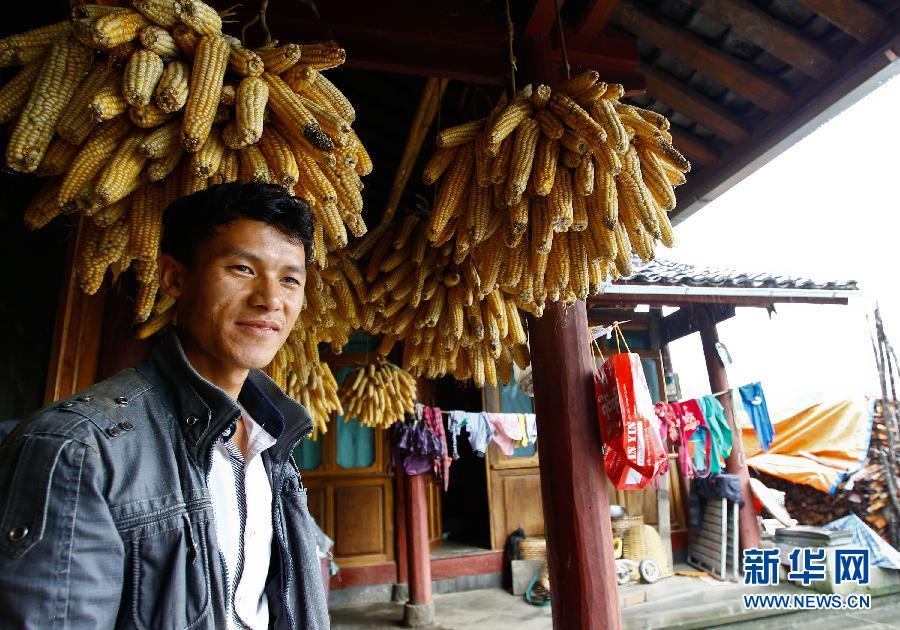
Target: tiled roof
(667,273)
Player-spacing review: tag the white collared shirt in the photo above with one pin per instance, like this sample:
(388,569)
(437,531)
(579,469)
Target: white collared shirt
(242,503)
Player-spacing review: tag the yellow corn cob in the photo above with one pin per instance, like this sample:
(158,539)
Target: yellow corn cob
(522,159)
(190,181)
(668,153)
(579,213)
(280,58)
(559,202)
(363,160)
(231,137)
(14,94)
(332,94)
(148,116)
(116,27)
(172,89)
(206,161)
(124,165)
(584,176)
(623,252)
(579,280)
(450,194)
(160,12)
(507,121)
(160,168)
(322,56)
(187,39)
(13,48)
(162,141)
(331,124)
(199,16)
(614,92)
(291,111)
(460,134)
(569,159)
(96,151)
(281,161)
(605,113)
(543,172)
(148,286)
(608,159)
(252,95)
(111,213)
(107,103)
(518,216)
(573,142)
(666,235)
(438,163)
(159,41)
(145,222)
(482,161)
(559,264)
(541,227)
(479,213)
(551,126)
(602,237)
(537,266)
(500,165)
(65,65)
(631,117)
(142,73)
(57,159)
(228,167)
(579,83)
(541,97)
(244,61)
(44,207)
(314,179)
(654,177)
(573,115)
(76,121)
(586,98)
(253,166)
(210,64)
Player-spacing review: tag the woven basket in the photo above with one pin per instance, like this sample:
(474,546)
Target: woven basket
(656,550)
(622,525)
(634,543)
(533,549)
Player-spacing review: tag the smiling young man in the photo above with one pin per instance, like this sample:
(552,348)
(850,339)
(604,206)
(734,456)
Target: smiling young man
(165,496)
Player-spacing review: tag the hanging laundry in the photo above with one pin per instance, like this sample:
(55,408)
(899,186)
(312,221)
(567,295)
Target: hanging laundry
(531,427)
(719,432)
(691,428)
(755,403)
(523,429)
(456,420)
(417,447)
(668,429)
(442,460)
(506,430)
(480,433)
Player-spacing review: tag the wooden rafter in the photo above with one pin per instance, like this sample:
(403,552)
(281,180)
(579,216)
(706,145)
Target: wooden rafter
(694,147)
(542,18)
(752,23)
(596,16)
(741,76)
(856,18)
(694,105)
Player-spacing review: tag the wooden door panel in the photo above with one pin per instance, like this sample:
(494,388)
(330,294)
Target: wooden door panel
(522,503)
(316,499)
(435,522)
(359,520)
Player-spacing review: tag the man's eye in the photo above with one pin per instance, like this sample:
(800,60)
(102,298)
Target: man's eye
(291,280)
(242,268)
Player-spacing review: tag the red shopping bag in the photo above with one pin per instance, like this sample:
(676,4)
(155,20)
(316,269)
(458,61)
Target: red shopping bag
(633,452)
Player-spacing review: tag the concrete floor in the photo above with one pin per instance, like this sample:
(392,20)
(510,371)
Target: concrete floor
(676,602)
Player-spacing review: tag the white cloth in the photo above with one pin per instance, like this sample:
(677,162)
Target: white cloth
(247,509)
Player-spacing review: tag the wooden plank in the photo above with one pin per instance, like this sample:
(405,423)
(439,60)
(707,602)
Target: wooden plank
(741,76)
(856,18)
(596,16)
(694,105)
(384,573)
(685,322)
(694,147)
(542,18)
(476,564)
(752,23)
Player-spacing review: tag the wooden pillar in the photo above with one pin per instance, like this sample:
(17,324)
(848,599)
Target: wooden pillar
(419,611)
(735,463)
(573,484)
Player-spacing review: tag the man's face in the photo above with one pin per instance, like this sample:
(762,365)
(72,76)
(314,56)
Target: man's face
(240,299)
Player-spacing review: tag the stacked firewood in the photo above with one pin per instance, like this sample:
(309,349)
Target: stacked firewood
(865,493)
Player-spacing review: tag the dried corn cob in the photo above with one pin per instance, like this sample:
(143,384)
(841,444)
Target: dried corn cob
(123,167)
(57,159)
(159,41)
(96,151)
(206,161)
(199,16)
(210,64)
(289,108)
(142,74)
(44,207)
(460,134)
(14,94)
(160,168)
(116,27)
(172,89)
(522,159)
(148,116)
(15,49)
(76,121)
(280,58)
(107,103)
(253,165)
(187,39)
(322,56)
(251,99)
(160,12)
(279,157)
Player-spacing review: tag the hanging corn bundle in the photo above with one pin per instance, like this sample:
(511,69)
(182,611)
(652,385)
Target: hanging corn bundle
(378,394)
(556,189)
(129,108)
(420,294)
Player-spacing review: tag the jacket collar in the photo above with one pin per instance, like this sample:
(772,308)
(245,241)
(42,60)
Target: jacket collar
(204,411)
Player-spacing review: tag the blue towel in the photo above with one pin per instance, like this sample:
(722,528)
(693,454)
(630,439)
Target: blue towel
(755,404)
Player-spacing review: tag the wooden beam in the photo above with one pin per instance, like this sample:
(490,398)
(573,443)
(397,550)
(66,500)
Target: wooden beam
(737,74)
(696,148)
(596,16)
(542,18)
(752,23)
(612,300)
(696,106)
(858,19)
(734,464)
(685,321)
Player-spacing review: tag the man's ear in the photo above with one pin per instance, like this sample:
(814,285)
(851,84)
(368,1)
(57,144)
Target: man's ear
(171,275)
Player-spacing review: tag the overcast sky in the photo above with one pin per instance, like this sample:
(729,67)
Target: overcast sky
(826,208)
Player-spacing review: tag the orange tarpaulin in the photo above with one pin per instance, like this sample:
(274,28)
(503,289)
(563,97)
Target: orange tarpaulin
(818,447)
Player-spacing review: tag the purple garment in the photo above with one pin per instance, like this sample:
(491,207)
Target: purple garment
(442,460)
(417,447)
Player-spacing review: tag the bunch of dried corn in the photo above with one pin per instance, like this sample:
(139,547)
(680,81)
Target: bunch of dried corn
(553,191)
(420,294)
(132,107)
(378,394)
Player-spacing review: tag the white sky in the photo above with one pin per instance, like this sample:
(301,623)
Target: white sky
(826,208)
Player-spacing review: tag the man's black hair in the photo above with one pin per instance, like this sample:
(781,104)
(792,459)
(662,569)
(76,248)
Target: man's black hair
(190,220)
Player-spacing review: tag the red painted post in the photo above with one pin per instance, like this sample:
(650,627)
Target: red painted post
(573,485)
(735,463)
(419,611)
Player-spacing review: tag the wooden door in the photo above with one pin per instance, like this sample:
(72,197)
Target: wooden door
(514,484)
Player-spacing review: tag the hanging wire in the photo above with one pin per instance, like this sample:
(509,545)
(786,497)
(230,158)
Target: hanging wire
(510,33)
(562,40)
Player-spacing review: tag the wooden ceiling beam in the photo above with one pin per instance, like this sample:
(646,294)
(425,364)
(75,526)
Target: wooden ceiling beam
(542,18)
(595,17)
(752,23)
(856,18)
(694,147)
(696,106)
(741,76)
